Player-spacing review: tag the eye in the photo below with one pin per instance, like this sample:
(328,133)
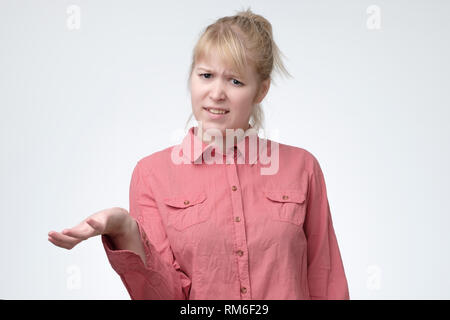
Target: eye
(237,82)
(202,74)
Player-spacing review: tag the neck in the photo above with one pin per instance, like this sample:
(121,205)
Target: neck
(213,138)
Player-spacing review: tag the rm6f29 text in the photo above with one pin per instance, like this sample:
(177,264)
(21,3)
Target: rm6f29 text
(246,309)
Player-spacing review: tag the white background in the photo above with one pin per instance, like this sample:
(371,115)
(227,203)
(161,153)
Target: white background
(79,108)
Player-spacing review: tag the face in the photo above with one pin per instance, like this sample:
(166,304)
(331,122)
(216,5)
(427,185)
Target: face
(214,85)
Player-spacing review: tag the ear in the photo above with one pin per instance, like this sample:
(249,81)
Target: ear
(263,89)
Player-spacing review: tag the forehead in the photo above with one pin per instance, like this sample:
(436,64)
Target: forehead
(210,60)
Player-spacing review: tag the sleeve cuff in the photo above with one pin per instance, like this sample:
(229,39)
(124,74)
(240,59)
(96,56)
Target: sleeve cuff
(123,261)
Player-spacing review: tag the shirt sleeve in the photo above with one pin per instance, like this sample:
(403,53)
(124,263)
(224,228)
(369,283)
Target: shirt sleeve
(161,278)
(326,275)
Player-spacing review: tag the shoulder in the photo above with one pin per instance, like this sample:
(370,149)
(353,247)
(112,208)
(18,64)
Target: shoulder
(155,161)
(297,155)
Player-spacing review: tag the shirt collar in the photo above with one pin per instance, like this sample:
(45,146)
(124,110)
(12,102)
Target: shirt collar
(193,148)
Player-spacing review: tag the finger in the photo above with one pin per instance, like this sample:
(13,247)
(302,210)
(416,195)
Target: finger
(82,231)
(58,243)
(63,239)
(63,244)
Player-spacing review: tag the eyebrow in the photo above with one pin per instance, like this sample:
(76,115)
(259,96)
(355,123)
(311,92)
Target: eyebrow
(231,73)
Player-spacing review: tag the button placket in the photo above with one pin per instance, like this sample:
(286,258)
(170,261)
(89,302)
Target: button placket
(239,233)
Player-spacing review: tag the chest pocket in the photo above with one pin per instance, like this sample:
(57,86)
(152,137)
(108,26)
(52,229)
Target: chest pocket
(287,205)
(186,211)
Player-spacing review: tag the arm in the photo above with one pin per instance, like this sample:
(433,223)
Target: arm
(326,275)
(129,240)
(146,266)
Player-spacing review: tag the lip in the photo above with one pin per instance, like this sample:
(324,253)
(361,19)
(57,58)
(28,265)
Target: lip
(214,115)
(210,107)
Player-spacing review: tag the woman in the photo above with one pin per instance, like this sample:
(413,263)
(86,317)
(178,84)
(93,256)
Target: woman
(219,218)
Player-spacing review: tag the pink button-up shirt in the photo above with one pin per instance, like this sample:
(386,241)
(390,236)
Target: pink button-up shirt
(231,230)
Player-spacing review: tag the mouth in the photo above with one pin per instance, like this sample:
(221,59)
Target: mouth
(217,111)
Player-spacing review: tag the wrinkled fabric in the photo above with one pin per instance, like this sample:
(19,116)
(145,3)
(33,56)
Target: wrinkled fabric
(226,231)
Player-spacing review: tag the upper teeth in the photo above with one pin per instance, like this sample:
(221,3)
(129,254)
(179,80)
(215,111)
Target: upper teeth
(216,110)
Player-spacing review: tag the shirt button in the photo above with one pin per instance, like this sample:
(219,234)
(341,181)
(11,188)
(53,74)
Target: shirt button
(285,197)
(237,219)
(186,202)
(240,253)
(234,188)
(243,289)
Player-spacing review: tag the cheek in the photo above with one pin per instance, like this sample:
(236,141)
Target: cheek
(243,103)
(196,97)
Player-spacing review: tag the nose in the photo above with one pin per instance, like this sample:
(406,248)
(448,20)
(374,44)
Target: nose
(217,91)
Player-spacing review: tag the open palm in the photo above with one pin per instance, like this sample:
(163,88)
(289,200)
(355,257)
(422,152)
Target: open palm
(110,221)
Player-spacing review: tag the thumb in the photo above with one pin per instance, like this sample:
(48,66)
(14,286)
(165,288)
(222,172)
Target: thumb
(95,224)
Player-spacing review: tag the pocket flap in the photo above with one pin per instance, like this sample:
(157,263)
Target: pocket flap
(186,200)
(297,196)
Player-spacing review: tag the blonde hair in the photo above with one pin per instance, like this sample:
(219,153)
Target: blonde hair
(243,39)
